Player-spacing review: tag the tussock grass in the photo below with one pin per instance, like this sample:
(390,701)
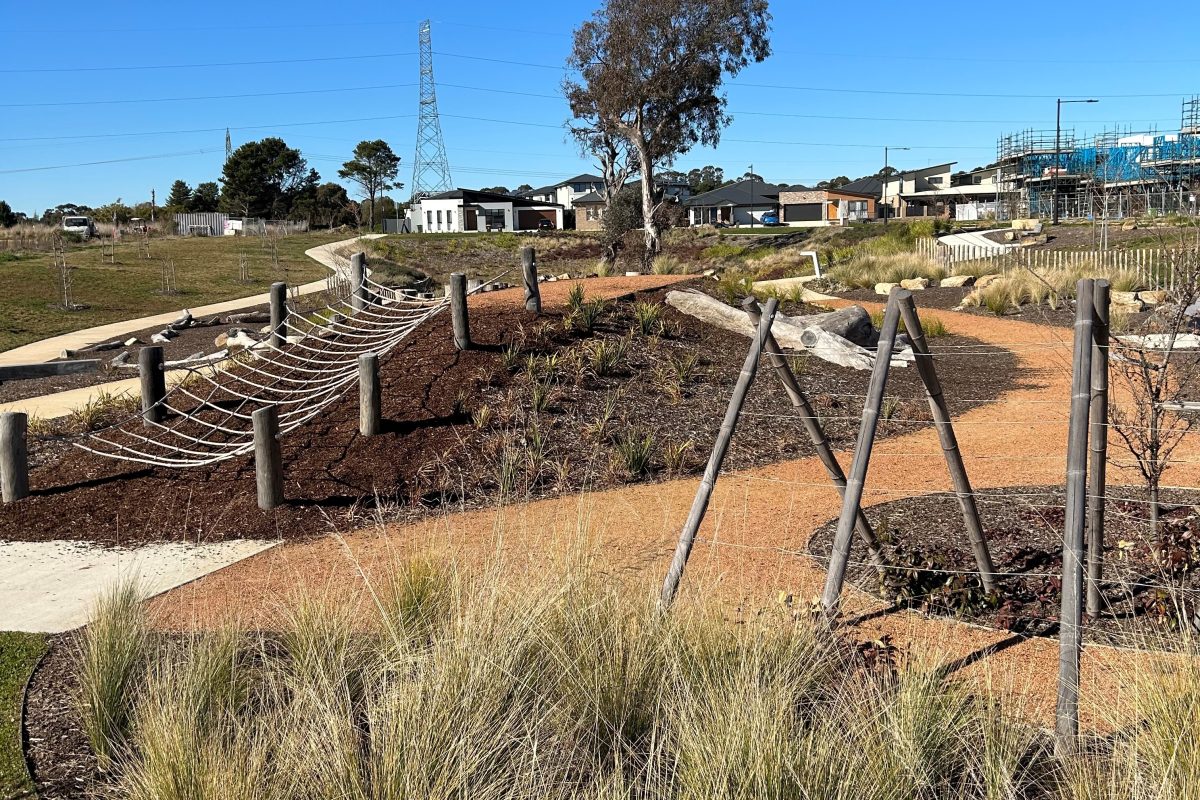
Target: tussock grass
(1051,287)
(434,683)
(867,269)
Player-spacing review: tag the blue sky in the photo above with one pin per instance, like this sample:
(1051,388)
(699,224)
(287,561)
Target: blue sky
(943,79)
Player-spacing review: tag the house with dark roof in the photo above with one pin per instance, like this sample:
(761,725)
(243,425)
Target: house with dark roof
(735,204)
(469,210)
(802,207)
(589,208)
(564,193)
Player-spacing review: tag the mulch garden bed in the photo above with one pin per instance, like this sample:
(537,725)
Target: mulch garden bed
(461,431)
(1151,581)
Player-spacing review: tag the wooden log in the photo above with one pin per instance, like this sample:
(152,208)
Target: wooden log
(852,499)
(268,460)
(358,281)
(370,419)
(1070,618)
(1097,477)
(248,317)
(458,310)
(533,293)
(153,383)
(687,536)
(48,369)
(278,294)
(852,323)
(949,442)
(14,456)
(812,426)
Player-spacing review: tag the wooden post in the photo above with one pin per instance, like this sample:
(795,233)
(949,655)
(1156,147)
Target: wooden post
(153,383)
(268,462)
(458,310)
(358,281)
(369,415)
(1070,618)
(945,431)
(812,427)
(533,294)
(852,499)
(687,536)
(278,296)
(1099,447)
(14,456)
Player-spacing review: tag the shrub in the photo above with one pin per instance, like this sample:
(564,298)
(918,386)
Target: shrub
(585,319)
(575,298)
(866,270)
(110,661)
(648,317)
(668,265)
(606,356)
(634,449)
(733,286)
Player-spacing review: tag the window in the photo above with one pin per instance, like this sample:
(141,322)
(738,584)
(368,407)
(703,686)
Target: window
(439,216)
(593,213)
(493,219)
(936,180)
(428,219)
(449,219)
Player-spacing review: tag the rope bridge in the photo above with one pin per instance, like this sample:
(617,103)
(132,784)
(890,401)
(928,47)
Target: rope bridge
(207,417)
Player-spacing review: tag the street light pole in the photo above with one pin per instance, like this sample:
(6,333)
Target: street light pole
(1058,152)
(751,197)
(883,184)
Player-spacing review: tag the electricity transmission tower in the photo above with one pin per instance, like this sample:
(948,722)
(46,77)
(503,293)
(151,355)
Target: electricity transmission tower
(228,145)
(431,170)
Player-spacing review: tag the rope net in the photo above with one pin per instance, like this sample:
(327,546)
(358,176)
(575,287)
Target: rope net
(207,416)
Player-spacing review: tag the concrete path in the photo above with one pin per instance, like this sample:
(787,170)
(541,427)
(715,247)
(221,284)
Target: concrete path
(49,349)
(60,404)
(49,587)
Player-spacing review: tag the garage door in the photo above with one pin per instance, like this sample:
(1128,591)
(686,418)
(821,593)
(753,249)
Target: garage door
(802,212)
(527,219)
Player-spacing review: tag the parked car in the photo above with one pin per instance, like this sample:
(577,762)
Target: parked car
(80,225)
(770,218)
(545,225)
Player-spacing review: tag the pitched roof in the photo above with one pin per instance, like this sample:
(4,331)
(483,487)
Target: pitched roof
(590,197)
(740,193)
(585,177)
(469,196)
(871,186)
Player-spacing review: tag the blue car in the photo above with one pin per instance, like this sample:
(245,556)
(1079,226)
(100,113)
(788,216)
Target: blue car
(770,218)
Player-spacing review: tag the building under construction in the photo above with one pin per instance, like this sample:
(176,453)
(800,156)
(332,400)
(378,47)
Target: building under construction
(1115,174)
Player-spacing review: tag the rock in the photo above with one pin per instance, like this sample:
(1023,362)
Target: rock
(914,284)
(1153,297)
(984,280)
(564,277)
(1010,236)
(552,279)
(120,360)
(709,273)
(885,288)
(1129,308)
(632,274)
(265,329)
(65,354)
(158,338)
(221,340)
(1129,225)
(184,321)
(1123,298)
(132,342)
(957,281)
(241,338)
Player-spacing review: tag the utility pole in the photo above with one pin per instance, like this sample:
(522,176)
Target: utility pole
(152,206)
(751,197)
(883,184)
(1058,152)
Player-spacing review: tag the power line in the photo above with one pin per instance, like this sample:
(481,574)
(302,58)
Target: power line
(204,130)
(123,101)
(109,161)
(145,67)
(906,93)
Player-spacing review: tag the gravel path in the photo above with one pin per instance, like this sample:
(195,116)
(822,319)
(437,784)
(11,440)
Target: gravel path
(757,523)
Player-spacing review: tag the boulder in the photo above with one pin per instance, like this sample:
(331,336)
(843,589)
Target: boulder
(885,288)
(632,274)
(158,338)
(1010,236)
(914,284)
(1129,308)
(1129,225)
(957,281)
(1123,298)
(239,337)
(984,280)
(221,340)
(132,342)
(1153,297)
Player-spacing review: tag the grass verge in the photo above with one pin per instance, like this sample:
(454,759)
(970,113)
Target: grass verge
(19,653)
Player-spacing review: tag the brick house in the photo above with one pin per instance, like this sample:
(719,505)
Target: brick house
(802,207)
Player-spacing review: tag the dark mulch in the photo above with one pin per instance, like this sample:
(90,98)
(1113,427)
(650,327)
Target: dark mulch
(60,758)
(1024,528)
(460,429)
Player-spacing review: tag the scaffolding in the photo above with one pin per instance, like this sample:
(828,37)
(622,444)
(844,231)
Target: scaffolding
(1115,174)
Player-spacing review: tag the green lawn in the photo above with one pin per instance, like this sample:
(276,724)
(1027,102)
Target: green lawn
(19,652)
(207,270)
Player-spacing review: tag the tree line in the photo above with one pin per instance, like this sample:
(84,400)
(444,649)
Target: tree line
(265,179)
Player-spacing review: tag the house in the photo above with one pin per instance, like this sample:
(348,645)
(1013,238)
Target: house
(936,191)
(802,207)
(468,210)
(566,192)
(589,208)
(735,204)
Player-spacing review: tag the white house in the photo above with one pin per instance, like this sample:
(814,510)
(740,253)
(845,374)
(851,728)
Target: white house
(736,204)
(565,193)
(468,210)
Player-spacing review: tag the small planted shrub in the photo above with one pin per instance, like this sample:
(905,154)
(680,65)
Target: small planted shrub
(675,456)
(606,356)
(733,286)
(585,319)
(575,298)
(634,449)
(648,317)
(110,662)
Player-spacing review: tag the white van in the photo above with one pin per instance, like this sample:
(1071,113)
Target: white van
(81,225)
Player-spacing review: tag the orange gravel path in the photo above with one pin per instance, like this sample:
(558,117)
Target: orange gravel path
(754,517)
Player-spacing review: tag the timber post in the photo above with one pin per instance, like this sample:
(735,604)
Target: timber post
(1098,417)
(949,442)
(268,460)
(14,456)
(458,311)
(533,294)
(369,412)
(1070,618)
(687,536)
(852,499)
(153,378)
(358,282)
(812,427)
(278,295)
